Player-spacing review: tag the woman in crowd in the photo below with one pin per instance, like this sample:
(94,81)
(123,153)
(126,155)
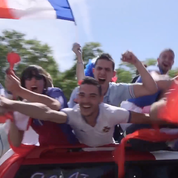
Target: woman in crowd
(35,85)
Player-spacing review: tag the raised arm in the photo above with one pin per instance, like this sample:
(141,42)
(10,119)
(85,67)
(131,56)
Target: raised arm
(120,115)
(33,110)
(80,65)
(148,86)
(155,108)
(139,118)
(13,85)
(164,82)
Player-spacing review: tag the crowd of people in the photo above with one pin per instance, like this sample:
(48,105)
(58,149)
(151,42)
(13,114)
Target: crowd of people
(99,109)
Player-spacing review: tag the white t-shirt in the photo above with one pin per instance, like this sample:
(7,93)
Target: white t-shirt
(102,132)
(154,68)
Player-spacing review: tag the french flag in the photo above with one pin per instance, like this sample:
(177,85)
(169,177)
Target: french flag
(36,9)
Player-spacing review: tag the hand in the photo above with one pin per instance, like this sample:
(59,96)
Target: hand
(15,76)
(130,58)
(12,84)
(76,49)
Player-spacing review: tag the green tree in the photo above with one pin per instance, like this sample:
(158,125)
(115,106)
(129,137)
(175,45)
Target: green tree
(67,86)
(150,61)
(173,72)
(30,51)
(124,76)
(91,50)
(3,63)
(68,79)
(69,74)
(126,71)
(127,66)
(33,51)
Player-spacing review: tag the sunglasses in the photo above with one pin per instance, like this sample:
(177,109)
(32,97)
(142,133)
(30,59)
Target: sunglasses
(37,77)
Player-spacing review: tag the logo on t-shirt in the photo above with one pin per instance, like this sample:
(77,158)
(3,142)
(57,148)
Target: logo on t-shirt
(106,129)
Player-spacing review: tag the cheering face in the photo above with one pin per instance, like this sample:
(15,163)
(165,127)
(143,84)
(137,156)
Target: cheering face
(89,100)
(166,60)
(35,82)
(103,72)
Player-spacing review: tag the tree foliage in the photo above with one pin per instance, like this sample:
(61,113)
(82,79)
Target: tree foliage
(68,79)
(91,50)
(33,51)
(30,51)
(150,62)
(173,72)
(124,76)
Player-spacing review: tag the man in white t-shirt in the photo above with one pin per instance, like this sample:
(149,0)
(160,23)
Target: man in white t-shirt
(92,121)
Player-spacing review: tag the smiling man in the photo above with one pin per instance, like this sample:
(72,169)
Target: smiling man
(114,93)
(165,62)
(92,120)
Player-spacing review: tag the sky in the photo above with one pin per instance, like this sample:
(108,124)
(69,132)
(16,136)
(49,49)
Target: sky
(145,27)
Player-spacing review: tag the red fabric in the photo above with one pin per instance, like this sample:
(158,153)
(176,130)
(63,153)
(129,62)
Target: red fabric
(17,157)
(5,11)
(5,167)
(50,133)
(170,112)
(13,58)
(143,134)
(6,117)
(114,79)
(22,150)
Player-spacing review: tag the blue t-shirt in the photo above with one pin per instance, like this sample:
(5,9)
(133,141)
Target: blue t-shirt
(150,99)
(57,94)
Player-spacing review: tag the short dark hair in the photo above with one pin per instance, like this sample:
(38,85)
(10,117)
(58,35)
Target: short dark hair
(107,57)
(167,49)
(92,81)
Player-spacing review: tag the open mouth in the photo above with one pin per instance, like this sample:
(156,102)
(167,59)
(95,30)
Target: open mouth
(101,80)
(86,106)
(165,65)
(34,88)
